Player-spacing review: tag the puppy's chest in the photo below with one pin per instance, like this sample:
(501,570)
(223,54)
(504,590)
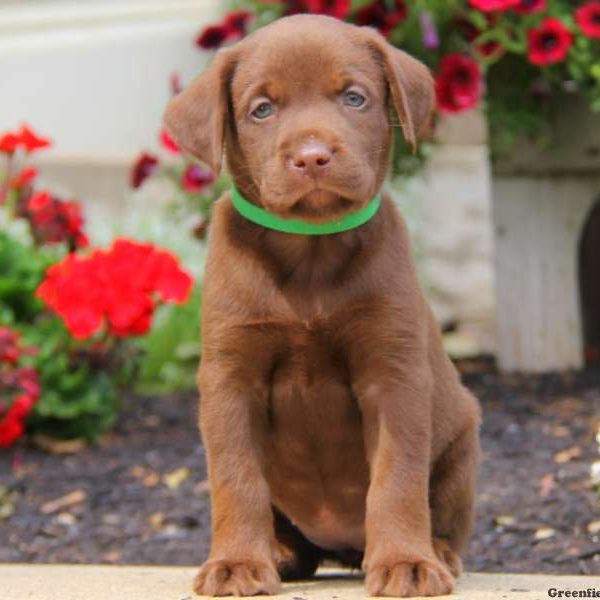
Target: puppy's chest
(309,379)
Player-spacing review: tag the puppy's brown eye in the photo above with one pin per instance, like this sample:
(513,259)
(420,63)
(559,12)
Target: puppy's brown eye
(354,99)
(263,110)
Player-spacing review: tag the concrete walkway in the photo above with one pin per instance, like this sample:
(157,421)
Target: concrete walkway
(82,582)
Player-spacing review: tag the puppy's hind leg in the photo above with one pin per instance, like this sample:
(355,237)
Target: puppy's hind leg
(298,558)
(452,494)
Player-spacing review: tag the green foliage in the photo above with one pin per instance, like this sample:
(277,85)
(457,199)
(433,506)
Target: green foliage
(79,382)
(172,349)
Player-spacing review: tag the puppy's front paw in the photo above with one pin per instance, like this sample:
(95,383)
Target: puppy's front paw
(450,558)
(403,579)
(236,578)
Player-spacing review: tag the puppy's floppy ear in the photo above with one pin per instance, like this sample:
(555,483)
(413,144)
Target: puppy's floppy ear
(411,85)
(197,116)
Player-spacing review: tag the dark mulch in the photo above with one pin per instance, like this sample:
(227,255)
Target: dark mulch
(140,495)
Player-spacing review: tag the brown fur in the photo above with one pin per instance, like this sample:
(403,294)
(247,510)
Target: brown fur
(335,425)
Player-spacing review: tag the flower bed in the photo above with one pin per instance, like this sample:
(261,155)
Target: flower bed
(71,316)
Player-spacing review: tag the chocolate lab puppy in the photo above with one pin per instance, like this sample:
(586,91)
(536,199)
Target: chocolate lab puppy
(334,423)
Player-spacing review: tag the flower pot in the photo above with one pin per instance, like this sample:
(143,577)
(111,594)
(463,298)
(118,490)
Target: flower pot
(542,198)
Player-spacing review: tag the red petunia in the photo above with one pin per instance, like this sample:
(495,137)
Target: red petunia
(334,8)
(471,33)
(237,22)
(587,17)
(549,43)
(168,143)
(212,37)
(459,83)
(144,167)
(493,5)
(385,16)
(233,27)
(195,179)
(525,7)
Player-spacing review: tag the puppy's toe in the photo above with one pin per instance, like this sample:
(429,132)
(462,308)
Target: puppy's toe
(236,578)
(450,558)
(405,579)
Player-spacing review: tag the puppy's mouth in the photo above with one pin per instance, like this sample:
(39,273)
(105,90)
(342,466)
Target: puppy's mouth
(321,205)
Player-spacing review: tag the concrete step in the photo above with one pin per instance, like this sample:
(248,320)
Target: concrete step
(100,582)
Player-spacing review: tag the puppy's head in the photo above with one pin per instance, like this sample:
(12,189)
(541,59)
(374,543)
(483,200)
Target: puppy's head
(302,107)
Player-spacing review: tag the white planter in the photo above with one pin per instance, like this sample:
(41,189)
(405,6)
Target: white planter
(542,200)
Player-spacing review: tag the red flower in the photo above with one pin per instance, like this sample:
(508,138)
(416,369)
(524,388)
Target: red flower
(55,221)
(334,8)
(19,387)
(195,179)
(471,33)
(493,5)
(24,178)
(9,348)
(549,42)
(31,141)
(144,167)
(10,431)
(459,83)
(232,27)
(379,14)
(212,37)
(9,142)
(588,19)
(525,7)
(236,22)
(118,287)
(168,143)
(25,138)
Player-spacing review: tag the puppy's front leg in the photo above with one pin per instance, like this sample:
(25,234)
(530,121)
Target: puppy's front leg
(399,557)
(241,560)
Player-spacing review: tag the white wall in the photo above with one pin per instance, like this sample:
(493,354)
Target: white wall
(95,75)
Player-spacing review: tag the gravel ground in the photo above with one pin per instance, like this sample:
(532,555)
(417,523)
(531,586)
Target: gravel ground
(140,496)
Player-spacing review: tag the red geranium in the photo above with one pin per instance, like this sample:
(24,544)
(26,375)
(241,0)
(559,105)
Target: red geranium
(549,42)
(493,5)
(459,83)
(31,141)
(385,16)
(118,287)
(144,166)
(19,387)
(525,7)
(588,19)
(26,138)
(24,178)
(9,142)
(195,179)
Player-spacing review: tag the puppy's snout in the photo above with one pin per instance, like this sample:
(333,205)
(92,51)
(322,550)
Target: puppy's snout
(311,158)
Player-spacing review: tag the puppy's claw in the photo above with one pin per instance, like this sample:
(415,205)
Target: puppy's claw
(236,578)
(405,579)
(450,558)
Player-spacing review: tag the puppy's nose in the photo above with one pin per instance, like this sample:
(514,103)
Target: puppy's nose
(311,158)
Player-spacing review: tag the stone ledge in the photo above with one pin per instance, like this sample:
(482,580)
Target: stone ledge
(100,582)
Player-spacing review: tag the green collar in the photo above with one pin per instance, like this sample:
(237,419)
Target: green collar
(260,216)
